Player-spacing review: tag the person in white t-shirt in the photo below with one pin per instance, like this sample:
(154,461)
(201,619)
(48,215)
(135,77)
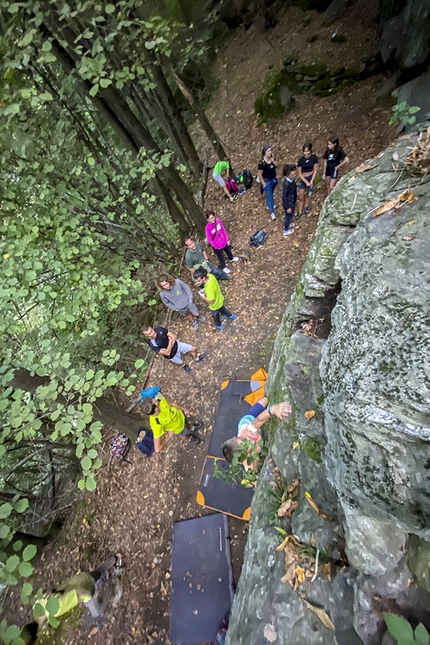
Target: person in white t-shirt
(250,424)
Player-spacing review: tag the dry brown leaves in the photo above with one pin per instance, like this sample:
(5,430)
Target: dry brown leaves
(365,166)
(288,506)
(418,160)
(318,611)
(309,414)
(396,202)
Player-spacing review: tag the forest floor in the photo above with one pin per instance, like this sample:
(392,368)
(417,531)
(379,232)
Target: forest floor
(135,505)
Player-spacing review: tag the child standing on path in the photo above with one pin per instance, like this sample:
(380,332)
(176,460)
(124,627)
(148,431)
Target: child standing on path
(289,196)
(177,295)
(220,168)
(307,168)
(211,293)
(267,175)
(334,158)
(218,238)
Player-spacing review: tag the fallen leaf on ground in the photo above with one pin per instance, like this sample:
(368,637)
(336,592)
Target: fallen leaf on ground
(282,546)
(316,508)
(327,571)
(300,573)
(293,488)
(409,238)
(270,633)
(395,202)
(366,166)
(287,508)
(295,445)
(309,414)
(318,611)
(412,222)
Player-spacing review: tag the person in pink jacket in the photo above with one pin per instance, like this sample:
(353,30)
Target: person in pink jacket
(218,238)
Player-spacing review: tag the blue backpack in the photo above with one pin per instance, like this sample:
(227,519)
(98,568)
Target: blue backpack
(146,445)
(257,239)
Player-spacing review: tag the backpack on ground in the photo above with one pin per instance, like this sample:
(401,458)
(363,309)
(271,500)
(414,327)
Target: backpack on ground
(247,178)
(146,445)
(120,446)
(231,186)
(257,239)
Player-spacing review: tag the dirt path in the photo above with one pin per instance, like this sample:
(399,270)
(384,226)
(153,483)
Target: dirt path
(133,509)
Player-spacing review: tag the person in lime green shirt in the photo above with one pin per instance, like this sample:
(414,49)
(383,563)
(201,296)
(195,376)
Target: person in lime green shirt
(220,168)
(167,420)
(211,293)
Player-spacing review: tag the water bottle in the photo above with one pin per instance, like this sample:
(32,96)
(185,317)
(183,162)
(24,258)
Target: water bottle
(311,190)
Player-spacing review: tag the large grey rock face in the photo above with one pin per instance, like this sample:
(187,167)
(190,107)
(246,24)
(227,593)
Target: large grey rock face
(365,455)
(406,37)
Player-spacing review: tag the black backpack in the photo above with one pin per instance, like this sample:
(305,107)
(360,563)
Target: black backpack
(247,178)
(257,239)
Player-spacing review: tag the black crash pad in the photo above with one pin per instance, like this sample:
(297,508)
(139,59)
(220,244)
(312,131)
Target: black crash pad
(219,495)
(232,407)
(202,581)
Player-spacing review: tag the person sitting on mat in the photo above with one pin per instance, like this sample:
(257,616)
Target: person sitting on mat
(169,419)
(249,427)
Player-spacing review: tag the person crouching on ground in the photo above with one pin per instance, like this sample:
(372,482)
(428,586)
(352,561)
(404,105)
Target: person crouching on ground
(223,168)
(218,238)
(165,342)
(289,196)
(167,420)
(211,294)
(177,295)
(249,427)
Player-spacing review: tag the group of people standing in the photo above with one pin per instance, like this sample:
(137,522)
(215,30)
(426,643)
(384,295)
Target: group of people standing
(298,185)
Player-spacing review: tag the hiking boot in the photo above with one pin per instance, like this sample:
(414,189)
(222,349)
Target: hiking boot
(298,216)
(235,259)
(195,325)
(220,327)
(272,216)
(226,270)
(232,317)
(187,368)
(200,357)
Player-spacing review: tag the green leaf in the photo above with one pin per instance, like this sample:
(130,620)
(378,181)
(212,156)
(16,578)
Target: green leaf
(81,484)
(38,610)
(11,563)
(53,605)
(27,590)
(139,363)
(86,463)
(47,46)
(421,635)
(25,569)
(110,8)
(54,622)
(399,629)
(91,483)
(105,82)
(5,510)
(14,8)
(17,546)
(4,531)
(46,96)
(29,552)
(413,110)
(93,454)
(21,505)
(11,632)
(94,89)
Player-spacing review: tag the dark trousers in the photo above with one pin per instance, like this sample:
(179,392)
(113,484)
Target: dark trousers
(220,255)
(287,220)
(216,314)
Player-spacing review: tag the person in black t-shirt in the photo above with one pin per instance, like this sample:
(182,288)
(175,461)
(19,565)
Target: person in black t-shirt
(267,176)
(307,170)
(334,158)
(164,342)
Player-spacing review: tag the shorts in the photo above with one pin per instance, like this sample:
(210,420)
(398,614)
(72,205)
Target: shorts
(192,308)
(219,179)
(332,173)
(302,184)
(183,348)
(253,413)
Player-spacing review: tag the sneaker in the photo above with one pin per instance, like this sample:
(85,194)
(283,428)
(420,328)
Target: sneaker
(289,231)
(195,439)
(298,216)
(241,191)
(187,368)
(227,270)
(198,426)
(306,210)
(235,259)
(233,198)
(201,357)
(273,208)
(229,277)
(220,327)
(232,317)
(272,216)
(195,325)
(202,319)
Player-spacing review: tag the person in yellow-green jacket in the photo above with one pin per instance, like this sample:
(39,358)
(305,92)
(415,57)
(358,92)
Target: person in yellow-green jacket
(211,294)
(168,419)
